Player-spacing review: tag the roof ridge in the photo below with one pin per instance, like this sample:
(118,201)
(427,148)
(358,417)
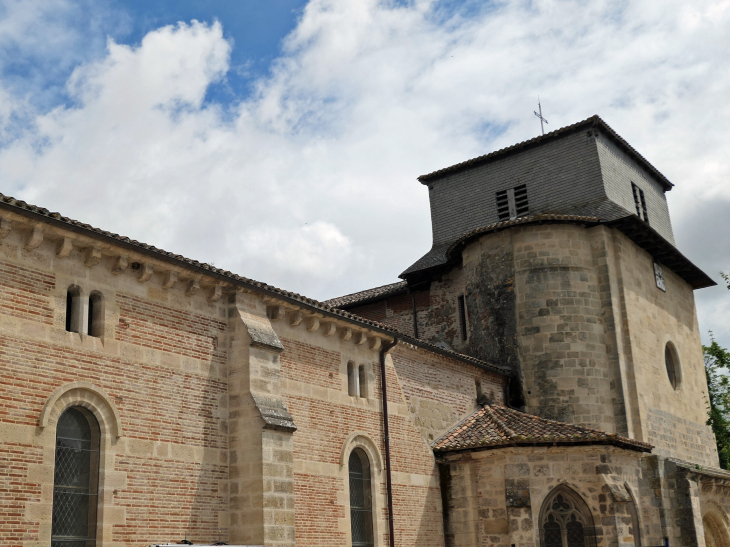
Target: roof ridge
(510,433)
(591,121)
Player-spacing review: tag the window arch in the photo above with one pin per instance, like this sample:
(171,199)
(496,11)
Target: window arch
(353,379)
(361,499)
(73,309)
(76,479)
(566,520)
(96,315)
(634,515)
(671,361)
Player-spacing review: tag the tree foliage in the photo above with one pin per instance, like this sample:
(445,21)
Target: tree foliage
(717,361)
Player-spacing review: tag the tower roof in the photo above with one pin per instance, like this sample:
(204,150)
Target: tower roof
(593,121)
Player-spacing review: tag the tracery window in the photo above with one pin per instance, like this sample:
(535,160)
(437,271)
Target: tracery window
(566,521)
(361,500)
(76,479)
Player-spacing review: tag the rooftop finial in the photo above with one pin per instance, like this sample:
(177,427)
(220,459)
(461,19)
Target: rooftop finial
(539,106)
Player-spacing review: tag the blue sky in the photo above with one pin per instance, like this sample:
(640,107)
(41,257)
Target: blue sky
(282,139)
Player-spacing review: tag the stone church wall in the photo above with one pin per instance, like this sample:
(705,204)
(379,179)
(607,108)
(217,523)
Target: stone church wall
(494,497)
(159,362)
(427,394)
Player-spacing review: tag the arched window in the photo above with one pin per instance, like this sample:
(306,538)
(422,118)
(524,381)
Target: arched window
(671,360)
(634,515)
(73,309)
(76,479)
(565,520)
(361,500)
(363,381)
(96,314)
(353,380)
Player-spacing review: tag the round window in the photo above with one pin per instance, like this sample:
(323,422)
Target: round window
(672,363)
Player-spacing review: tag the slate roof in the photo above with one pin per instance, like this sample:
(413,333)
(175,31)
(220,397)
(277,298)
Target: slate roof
(495,426)
(39,213)
(593,121)
(363,297)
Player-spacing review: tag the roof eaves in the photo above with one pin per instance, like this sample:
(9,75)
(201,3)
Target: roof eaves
(38,213)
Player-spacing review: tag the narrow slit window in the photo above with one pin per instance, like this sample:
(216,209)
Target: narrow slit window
(353,380)
(512,203)
(362,377)
(73,309)
(462,316)
(96,315)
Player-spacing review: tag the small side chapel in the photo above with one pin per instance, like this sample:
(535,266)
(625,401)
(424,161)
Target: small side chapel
(536,379)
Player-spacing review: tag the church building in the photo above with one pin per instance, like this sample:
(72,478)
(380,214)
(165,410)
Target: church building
(536,379)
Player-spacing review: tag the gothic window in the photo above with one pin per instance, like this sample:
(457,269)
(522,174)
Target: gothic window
(353,380)
(634,515)
(566,520)
(76,479)
(361,501)
(73,309)
(96,315)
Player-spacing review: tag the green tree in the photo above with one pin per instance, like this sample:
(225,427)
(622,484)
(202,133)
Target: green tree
(717,360)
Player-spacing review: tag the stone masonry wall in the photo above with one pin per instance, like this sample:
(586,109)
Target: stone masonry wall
(161,361)
(427,394)
(495,496)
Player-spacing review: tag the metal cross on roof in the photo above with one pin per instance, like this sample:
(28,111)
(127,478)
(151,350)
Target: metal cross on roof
(539,106)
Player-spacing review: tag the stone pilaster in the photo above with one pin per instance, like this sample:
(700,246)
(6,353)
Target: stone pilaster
(261,475)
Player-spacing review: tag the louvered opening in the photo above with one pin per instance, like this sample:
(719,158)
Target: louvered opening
(521,205)
(502,205)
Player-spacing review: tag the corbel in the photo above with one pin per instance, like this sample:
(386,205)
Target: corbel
(345,334)
(93,256)
(36,238)
(65,248)
(5,226)
(120,265)
(374,342)
(216,293)
(146,272)
(193,287)
(276,313)
(170,279)
(360,338)
(312,324)
(296,318)
(329,328)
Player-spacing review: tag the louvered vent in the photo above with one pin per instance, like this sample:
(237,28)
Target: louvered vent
(512,203)
(640,202)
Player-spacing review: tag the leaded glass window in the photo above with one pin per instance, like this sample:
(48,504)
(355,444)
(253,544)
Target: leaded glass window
(361,501)
(566,521)
(76,479)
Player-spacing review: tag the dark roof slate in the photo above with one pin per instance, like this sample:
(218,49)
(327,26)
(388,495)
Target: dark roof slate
(40,213)
(494,426)
(593,121)
(367,295)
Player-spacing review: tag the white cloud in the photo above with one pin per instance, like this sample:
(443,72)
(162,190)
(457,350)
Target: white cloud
(319,165)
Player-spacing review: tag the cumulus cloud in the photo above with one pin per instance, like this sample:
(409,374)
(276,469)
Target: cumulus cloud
(309,183)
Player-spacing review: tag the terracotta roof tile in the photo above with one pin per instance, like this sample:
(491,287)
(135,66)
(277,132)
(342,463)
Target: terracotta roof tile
(495,426)
(369,294)
(26,209)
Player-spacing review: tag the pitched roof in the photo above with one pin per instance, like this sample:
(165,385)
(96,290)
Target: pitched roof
(593,121)
(365,296)
(494,426)
(41,214)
